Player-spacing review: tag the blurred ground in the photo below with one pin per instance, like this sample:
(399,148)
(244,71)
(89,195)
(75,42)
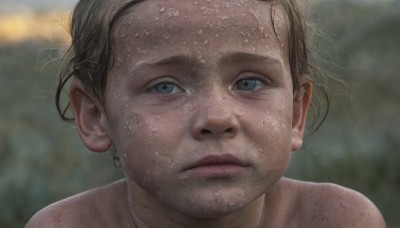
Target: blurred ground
(358,146)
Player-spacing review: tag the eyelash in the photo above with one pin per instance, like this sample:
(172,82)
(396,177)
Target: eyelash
(260,83)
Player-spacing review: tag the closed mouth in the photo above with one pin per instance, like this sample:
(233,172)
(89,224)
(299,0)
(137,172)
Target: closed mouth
(217,161)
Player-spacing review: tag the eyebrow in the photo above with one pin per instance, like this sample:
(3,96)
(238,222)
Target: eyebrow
(176,60)
(240,57)
(230,58)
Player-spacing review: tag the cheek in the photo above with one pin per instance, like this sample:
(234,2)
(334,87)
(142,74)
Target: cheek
(270,128)
(147,143)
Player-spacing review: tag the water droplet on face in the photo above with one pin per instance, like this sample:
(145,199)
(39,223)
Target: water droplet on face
(146,32)
(200,32)
(175,13)
(171,162)
(128,21)
(246,41)
(184,179)
(162,9)
(167,36)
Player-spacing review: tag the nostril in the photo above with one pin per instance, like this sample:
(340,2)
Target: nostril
(229,130)
(205,132)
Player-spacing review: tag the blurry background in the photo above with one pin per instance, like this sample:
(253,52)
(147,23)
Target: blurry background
(42,159)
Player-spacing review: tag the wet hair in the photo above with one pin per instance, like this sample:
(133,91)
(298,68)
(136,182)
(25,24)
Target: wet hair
(90,56)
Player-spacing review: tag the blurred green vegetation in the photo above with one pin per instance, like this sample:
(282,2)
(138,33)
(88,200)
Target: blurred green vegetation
(43,160)
(359,144)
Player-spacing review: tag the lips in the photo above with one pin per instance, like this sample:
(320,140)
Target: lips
(217,164)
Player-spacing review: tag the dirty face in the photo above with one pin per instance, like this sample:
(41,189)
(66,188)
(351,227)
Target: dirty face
(200,102)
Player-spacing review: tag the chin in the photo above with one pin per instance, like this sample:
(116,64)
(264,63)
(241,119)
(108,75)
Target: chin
(213,210)
(217,203)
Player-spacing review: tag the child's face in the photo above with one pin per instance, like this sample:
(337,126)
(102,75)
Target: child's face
(196,79)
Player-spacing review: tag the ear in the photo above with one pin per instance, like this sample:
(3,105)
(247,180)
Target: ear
(301,104)
(90,118)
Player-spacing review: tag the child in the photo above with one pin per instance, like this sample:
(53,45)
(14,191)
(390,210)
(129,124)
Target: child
(203,102)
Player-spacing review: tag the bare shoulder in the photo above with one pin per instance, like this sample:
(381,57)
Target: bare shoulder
(82,210)
(331,205)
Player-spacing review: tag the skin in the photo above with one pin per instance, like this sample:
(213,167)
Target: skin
(185,85)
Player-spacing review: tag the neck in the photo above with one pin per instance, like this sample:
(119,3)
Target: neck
(146,211)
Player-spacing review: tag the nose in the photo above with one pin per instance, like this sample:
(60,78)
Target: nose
(215,119)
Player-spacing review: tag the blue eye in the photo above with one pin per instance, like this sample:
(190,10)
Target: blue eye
(166,88)
(249,84)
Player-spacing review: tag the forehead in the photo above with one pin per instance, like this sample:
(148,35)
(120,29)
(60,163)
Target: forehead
(204,26)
